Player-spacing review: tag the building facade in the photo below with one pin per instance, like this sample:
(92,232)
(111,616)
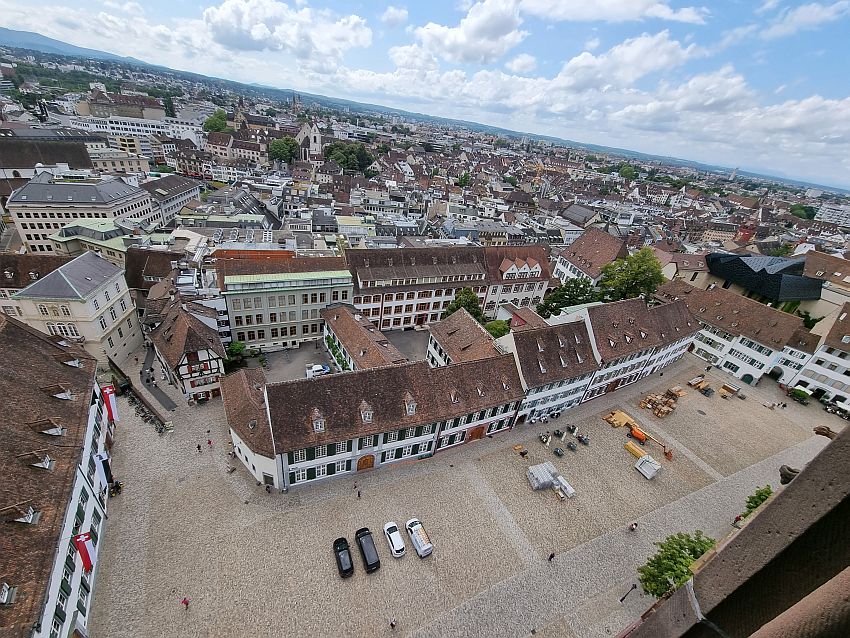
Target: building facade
(86,301)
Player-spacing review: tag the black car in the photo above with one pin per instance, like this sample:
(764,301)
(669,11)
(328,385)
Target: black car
(343,558)
(367,549)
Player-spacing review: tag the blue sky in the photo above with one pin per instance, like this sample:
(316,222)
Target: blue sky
(761,85)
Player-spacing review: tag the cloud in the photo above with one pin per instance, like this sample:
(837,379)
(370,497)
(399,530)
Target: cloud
(488,31)
(735,36)
(523,63)
(767,6)
(133,8)
(592,44)
(805,17)
(612,10)
(314,37)
(412,56)
(394,16)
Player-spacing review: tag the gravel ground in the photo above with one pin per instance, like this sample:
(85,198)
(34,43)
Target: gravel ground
(253,563)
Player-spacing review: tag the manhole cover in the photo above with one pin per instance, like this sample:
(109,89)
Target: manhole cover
(701,412)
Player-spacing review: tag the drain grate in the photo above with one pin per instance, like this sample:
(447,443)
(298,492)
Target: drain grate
(701,412)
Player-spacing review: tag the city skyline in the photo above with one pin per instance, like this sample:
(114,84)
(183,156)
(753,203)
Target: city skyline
(733,85)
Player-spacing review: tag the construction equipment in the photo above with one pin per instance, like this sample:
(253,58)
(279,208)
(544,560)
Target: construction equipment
(634,450)
(618,418)
(648,466)
(696,380)
(637,434)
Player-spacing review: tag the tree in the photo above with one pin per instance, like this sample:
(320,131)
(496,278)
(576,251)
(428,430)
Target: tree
(217,122)
(464,179)
(627,172)
(465,298)
(757,498)
(270,112)
(163,168)
(571,293)
(510,179)
(284,149)
(803,212)
(636,275)
(352,157)
(498,328)
(383,148)
(783,250)
(668,569)
(235,349)
(168,102)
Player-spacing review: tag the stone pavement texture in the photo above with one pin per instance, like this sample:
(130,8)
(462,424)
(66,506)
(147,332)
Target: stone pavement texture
(156,391)
(260,564)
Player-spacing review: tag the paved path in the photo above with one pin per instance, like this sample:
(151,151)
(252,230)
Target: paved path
(164,400)
(595,574)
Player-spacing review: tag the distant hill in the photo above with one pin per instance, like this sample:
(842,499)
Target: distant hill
(38,42)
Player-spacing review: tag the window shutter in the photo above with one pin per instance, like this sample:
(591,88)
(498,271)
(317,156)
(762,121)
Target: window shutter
(291,476)
(70,563)
(398,452)
(418,431)
(290,460)
(60,614)
(349,445)
(81,607)
(311,453)
(65,587)
(348,466)
(331,468)
(401,434)
(311,473)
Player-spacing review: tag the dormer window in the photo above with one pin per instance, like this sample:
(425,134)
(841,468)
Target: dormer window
(29,516)
(454,397)
(611,342)
(366,415)
(410,407)
(74,363)
(628,339)
(480,392)
(563,361)
(44,462)
(65,395)
(542,367)
(539,346)
(9,275)
(578,357)
(318,424)
(505,385)
(7,594)
(33,275)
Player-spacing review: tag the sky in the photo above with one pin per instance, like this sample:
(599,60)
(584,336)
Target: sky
(758,84)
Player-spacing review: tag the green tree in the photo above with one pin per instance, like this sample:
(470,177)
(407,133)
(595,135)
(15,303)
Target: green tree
(636,275)
(217,122)
(803,212)
(757,498)
(464,179)
(455,148)
(627,172)
(383,148)
(465,298)
(510,179)
(168,102)
(270,112)
(284,149)
(668,569)
(352,157)
(235,349)
(163,168)
(783,250)
(498,328)
(571,293)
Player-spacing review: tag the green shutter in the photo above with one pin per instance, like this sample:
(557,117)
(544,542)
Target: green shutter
(70,563)
(65,587)
(360,442)
(398,452)
(348,465)
(81,607)
(401,434)
(311,454)
(331,468)
(383,456)
(291,457)
(60,614)
(418,431)
(291,477)
(311,473)
(349,445)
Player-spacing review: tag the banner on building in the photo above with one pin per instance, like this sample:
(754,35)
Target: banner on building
(85,546)
(111,403)
(104,472)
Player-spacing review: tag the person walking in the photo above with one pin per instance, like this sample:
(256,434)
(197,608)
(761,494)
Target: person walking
(185,603)
(392,623)
(209,443)
(137,359)
(551,557)
(358,493)
(633,527)
(199,448)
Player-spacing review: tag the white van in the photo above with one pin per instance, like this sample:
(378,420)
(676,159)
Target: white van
(419,538)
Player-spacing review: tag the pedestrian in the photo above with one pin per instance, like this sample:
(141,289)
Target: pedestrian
(199,448)
(268,489)
(137,360)
(185,603)
(209,442)
(355,485)
(154,383)
(358,493)
(551,557)
(784,405)
(737,521)
(392,623)
(141,374)
(633,527)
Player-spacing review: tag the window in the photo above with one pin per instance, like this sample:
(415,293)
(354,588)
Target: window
(258,319)
(120,333)
(258,302)
(426,429)
(246,303)
(299,456)
(110,342)
(321,470)
(407,451)
(391,437)
(237,304)
(55,628)
(123,305)
(300,475)
(106,294)
(42,309)
(410,433)
(341,448)
(66,311)
(340,467)
(321,451)
(366,415)
(368,441)
(318,424)
(411,408)
(102,322)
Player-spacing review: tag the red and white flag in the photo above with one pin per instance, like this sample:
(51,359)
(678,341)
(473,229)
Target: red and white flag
(111,403)
(85,546)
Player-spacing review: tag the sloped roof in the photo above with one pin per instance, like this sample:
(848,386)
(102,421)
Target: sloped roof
(554,353)
(15,268)
(244,406)
(439,393)
(145,262)
(45,189)
(169,186)
(592,250)
(76,280)
(16,152)
(367,345)
(463,338)
(27,552)
(180,332)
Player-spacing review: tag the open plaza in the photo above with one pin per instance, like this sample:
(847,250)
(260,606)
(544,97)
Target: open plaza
(257,563)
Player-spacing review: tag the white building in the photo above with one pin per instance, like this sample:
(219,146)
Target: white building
(826,374)
(169,194)
(834,213)
(46,203)
(87,301)
(585,257)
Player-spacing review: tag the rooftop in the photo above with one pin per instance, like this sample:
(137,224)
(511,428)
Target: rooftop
(463,338)
(367,345)
(76,280)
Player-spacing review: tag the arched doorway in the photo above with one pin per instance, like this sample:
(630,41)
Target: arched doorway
(748,379)
(477,432)
(366,462)
(776,373)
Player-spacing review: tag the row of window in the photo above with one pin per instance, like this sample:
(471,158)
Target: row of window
(277,333)
(281,301)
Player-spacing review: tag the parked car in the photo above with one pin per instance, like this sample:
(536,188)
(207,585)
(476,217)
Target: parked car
(420,540)
(368,551)
(317,370)
(394,539)
(342,553)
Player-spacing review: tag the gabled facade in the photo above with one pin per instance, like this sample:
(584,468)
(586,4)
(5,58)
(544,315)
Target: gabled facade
(585,257)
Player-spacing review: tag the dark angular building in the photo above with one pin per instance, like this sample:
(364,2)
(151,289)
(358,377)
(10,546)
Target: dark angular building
(775,278)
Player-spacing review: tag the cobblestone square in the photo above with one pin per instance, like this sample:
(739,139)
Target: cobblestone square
(261,564)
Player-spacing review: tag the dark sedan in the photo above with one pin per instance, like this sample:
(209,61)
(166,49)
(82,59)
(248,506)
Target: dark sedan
(342,553)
